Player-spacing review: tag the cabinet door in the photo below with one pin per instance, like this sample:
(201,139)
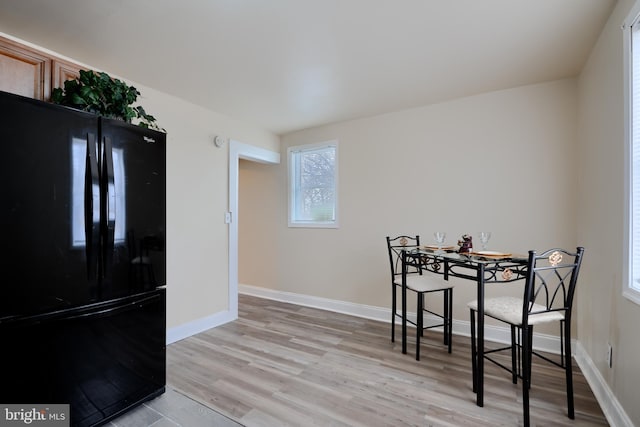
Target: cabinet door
(63,71)
(24,71)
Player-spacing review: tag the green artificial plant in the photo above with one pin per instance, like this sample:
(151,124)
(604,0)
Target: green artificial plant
(101,94)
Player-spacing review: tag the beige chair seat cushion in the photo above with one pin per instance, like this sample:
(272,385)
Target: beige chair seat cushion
(509,309)
(424,283)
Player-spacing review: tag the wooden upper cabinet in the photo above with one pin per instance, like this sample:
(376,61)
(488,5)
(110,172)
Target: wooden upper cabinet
(31,73)
(24,71)
(63,71)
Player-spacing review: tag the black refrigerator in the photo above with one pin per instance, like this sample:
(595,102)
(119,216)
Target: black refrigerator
(82,297)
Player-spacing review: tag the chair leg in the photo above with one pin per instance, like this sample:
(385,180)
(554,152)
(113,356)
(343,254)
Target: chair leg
(449,321)
(393,312)
(526,374)
(419,330)
(568,369)
(421,298)
(562,340)
(530,352)
(514,356)
(473,349)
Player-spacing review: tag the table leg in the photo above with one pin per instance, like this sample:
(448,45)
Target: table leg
(480,337)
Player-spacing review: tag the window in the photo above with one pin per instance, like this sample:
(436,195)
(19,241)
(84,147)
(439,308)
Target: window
(631,29)
(313,185)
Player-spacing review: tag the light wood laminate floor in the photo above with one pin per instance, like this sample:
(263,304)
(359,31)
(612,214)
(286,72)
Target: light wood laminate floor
(281,364)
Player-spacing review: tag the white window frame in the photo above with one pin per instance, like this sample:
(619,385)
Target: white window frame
(293,181)
(631,269)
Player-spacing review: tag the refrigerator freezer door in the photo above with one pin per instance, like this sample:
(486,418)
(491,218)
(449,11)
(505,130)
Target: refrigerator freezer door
(100,359)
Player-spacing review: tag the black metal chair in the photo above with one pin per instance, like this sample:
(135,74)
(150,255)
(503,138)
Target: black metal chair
(420,282)
(548,297)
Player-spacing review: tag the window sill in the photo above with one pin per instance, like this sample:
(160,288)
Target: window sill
(313,225)
(632,294)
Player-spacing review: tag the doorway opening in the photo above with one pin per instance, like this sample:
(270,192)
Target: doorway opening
(237,151)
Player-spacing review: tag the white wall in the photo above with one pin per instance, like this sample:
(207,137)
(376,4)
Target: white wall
(502,161)
(604,315)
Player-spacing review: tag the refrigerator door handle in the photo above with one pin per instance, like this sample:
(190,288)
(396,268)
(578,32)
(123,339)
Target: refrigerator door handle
(110,202)
(92,206)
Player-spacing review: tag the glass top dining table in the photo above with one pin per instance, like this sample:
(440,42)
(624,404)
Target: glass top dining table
(483,268)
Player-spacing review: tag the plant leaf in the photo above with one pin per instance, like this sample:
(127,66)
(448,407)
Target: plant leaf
(99,93)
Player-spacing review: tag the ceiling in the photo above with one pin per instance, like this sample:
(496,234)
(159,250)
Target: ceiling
(286,65)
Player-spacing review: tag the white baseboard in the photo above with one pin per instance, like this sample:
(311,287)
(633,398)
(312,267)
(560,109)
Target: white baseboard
(613,411)
(199,325)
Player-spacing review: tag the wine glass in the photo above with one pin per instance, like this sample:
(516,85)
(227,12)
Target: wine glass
(439,236)
(484,239)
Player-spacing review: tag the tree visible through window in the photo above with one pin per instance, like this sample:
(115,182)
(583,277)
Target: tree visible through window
(313,185)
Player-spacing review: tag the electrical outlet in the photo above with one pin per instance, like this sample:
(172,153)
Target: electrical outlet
(609,355)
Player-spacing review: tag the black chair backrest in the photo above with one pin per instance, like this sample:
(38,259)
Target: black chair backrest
(395,246)
(551,281)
